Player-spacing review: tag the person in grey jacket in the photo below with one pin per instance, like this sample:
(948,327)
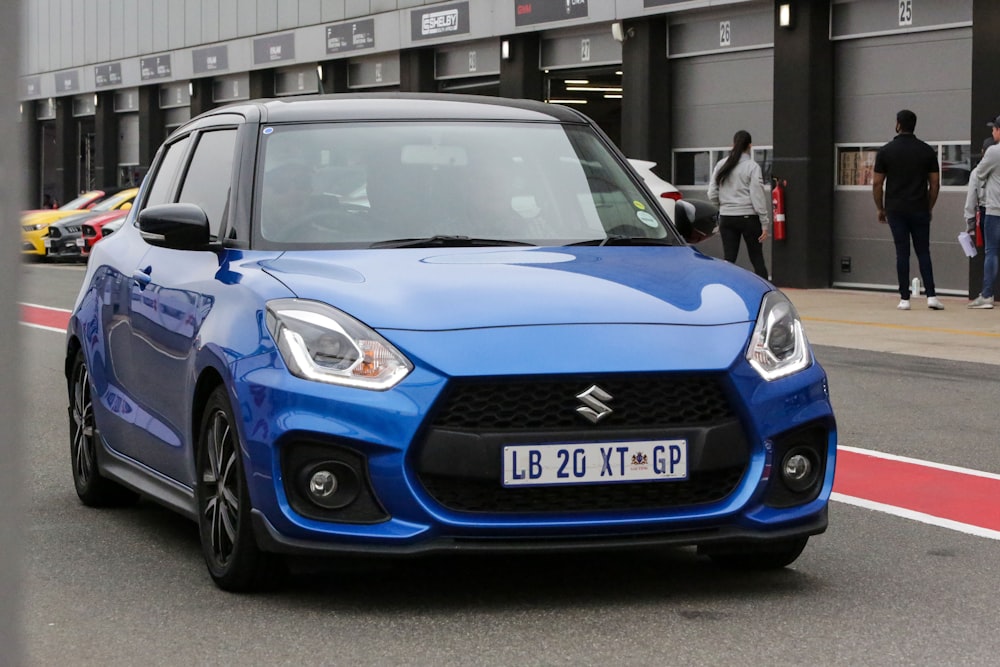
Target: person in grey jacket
(737,188)
(984,190)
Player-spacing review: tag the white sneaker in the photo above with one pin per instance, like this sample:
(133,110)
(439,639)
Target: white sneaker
(934,304)
(904,304)
(981,302)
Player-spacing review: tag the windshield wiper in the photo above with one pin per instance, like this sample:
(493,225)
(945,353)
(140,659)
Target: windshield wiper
(446,241)
(620,239)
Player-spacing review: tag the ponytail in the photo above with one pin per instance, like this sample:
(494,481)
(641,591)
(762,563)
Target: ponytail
(741,142)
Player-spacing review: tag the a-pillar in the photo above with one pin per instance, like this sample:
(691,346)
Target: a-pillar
(803,144)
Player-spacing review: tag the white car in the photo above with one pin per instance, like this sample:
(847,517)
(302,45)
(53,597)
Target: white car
(666,193)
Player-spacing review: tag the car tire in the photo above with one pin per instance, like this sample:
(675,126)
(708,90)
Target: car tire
(756,556)
(94,489)
(234,560)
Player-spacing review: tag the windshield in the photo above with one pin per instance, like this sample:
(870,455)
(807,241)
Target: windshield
(361,184)
(81,201)
(116,202)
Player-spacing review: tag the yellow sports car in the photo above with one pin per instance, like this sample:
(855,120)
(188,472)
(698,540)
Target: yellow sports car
(35,225)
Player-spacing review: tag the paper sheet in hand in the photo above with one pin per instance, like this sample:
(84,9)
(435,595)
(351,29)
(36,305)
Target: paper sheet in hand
(967,243)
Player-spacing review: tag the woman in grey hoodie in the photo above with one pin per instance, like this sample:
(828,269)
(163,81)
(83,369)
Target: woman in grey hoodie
(737,188)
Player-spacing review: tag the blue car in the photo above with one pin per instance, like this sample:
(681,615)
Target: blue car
(399,324)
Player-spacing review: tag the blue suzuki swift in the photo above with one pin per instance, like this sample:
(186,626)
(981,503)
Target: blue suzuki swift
(399,324)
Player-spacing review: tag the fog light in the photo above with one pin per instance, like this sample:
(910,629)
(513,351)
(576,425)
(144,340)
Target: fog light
(798,471)
(329,484)
(323,484)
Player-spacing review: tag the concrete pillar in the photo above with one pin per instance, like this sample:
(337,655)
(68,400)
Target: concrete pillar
(985,101)
(803,145)
(151,125)
(520,76)
(106,140)
(646,131)
(416,70)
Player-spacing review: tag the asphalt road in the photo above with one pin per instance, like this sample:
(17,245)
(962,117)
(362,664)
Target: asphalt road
(127,587)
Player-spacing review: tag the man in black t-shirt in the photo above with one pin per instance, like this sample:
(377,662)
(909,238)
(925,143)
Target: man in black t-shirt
(907,169)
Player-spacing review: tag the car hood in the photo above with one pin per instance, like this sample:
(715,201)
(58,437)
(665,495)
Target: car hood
(436,289)
(46,217)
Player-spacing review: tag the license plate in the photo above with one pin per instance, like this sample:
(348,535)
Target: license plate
(594,462)
(80,243)
(47,242)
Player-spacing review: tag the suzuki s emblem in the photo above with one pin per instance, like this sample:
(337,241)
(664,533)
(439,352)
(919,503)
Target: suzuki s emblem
(594,407)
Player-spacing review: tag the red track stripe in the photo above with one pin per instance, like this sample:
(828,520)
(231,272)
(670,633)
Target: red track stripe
(947,494)
(44,317)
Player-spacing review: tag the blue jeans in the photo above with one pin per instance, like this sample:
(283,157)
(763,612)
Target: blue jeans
(991,236)
(917,226)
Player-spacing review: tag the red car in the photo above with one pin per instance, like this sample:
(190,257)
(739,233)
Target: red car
(93,229)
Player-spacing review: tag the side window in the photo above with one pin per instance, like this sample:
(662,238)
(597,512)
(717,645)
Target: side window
(207,181)
(161,189)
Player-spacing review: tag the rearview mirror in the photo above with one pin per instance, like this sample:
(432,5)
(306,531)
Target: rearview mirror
(695,219)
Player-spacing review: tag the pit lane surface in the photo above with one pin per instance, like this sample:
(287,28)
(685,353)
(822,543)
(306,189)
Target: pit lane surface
(891,582)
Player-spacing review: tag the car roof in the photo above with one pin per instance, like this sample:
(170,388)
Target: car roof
(398,106)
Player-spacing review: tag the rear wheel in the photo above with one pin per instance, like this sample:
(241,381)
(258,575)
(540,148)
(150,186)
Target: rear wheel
(94,489)
(234,560)
(754,556)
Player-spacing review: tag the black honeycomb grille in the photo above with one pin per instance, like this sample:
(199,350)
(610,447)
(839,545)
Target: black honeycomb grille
(637,402)
(465,495)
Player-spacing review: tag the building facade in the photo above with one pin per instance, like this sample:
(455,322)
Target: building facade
(816,82)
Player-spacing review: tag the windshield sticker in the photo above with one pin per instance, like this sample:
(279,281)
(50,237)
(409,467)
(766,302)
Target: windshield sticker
(639,205)
(268,130)
(646,219)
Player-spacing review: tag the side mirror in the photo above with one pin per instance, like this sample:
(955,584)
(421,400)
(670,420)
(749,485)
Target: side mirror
(177,226)
(695,219)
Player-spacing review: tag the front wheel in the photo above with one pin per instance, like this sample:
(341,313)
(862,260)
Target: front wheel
(94,489)
(756,556)
(234,560)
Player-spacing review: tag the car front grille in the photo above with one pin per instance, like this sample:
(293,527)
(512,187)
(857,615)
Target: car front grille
(54,233)
(657,401)
(459,458)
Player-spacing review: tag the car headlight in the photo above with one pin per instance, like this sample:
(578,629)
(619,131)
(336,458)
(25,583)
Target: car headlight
(39,225)
(320,343)
(778,346)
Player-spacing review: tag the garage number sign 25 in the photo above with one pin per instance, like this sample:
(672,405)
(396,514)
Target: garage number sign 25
(905,12)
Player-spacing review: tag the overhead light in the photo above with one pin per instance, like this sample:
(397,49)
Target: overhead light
(319,72)
(785,15)
(555,101)
(190,88)
(95,100)
(612,96)
(618,73)
(505,49)
(595,89)
(577,82)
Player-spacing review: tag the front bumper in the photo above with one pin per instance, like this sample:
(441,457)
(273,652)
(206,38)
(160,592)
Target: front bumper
(388,430)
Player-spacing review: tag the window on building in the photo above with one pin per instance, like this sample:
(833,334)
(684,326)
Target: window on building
(694,168)
(856,164)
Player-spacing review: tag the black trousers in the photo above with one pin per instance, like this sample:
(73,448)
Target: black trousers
(732,228)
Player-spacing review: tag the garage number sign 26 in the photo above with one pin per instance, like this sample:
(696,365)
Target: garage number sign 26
(725,33)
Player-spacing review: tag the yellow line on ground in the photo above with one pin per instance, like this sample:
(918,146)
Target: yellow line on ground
(905,327)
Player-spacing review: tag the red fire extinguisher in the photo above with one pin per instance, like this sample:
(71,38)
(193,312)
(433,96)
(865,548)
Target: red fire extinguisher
(778,208)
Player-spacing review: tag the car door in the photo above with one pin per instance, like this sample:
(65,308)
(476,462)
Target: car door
(172,292)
